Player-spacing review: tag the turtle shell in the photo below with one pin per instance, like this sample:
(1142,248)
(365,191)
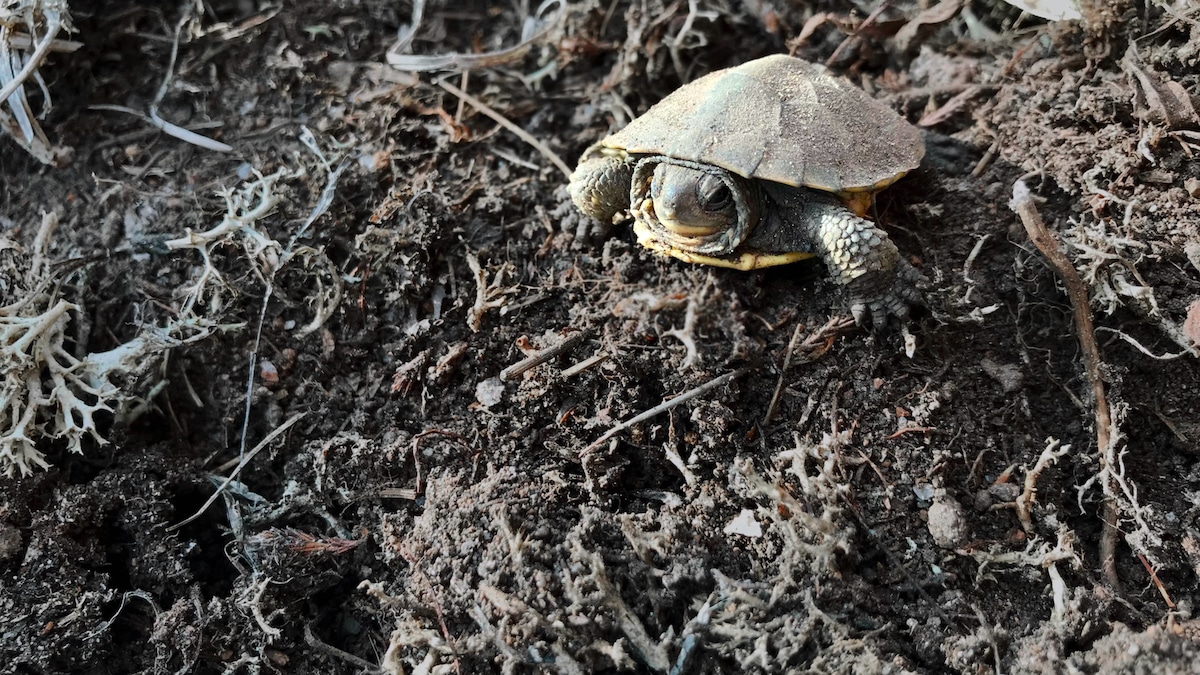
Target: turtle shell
(780,119)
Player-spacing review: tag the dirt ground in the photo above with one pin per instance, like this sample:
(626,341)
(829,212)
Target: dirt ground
(379,247)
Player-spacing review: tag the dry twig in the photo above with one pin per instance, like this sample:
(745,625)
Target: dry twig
(538,358)
(1162,590)
(663,407)
(583,365)
(1024,501)
(487,296)
(787,363)
(812,347)
(1022,203)
(362,664)
(968,265)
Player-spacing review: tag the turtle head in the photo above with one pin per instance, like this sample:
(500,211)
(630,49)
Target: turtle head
(693,203)
(701,213)
(682,206)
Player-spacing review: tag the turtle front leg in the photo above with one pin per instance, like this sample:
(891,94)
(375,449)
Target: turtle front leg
(600,184)
(863,258)
(859,255)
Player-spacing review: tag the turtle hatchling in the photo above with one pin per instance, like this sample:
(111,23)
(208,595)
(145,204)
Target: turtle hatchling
(767,163)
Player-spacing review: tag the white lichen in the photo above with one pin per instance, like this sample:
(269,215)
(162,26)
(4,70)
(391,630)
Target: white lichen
(51,390)
(244,208)
(1107,260)
(46,391)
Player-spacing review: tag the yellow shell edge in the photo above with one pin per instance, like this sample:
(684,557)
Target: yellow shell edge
(746,261)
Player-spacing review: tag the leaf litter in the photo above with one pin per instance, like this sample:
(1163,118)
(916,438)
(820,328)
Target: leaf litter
(487,435)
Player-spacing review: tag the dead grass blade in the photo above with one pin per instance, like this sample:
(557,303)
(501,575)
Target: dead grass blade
(19,26)
(535,31)
(508,124)
(276,433)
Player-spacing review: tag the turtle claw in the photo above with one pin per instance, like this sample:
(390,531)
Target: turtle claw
(876,297)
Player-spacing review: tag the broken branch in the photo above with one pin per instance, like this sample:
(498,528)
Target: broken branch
(1022,203)
(540,357)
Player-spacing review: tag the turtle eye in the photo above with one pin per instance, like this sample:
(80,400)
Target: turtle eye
(713,194)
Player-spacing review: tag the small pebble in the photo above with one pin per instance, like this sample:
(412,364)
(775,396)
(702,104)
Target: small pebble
(489,392)
(948,523)
(923,491)
(745,525)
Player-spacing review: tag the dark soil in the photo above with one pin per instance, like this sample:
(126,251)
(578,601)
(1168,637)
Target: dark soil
(415,512)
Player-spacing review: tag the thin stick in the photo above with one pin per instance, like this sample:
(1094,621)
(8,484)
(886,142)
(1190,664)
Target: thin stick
(316,643)
(663,407)
(504,122)
(970,262)
(585,364)
(1162,590)
(986,161)
(787,363)
(538,358)
(1024,501)
(1047,243)
(241,465)
(24,42)
(812,349)
(170,128)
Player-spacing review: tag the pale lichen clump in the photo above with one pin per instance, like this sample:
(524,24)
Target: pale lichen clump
(51,389)
(1107,255)
(46,392)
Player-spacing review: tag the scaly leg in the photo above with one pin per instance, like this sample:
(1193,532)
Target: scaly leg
(859,255)
(600,184)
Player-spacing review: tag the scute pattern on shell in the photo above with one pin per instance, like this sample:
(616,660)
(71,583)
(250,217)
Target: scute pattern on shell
(780,119)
